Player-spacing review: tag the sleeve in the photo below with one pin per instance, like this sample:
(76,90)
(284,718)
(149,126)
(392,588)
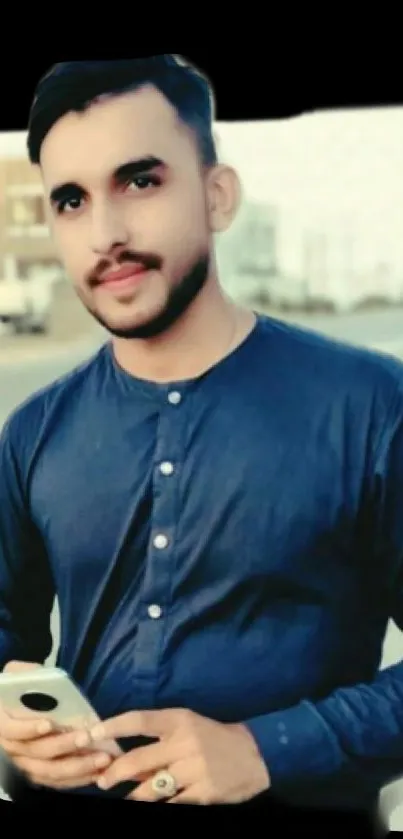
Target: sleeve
(357,730)
(26,586)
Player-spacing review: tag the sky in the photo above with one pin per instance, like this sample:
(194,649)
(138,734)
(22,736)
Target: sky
(336,171)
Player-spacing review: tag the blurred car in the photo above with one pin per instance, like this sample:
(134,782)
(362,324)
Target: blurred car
(25,305)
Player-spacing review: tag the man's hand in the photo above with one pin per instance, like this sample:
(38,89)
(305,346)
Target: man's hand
(47,755)
(211,763)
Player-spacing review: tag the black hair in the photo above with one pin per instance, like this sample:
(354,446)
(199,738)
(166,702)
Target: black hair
(72,86)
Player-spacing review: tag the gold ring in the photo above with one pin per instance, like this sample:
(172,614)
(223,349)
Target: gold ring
(164,784)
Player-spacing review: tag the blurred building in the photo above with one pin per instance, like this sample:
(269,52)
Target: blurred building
(328,267)
(247,252)
(334,273)
(26,246)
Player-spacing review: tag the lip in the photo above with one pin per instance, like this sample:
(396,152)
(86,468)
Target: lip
(125,277)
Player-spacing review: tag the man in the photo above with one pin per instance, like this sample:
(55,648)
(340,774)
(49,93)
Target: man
(215,497)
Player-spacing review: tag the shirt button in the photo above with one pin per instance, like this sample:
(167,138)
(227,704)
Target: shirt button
(174,397)
(167,469)
(154,612)
(161,542)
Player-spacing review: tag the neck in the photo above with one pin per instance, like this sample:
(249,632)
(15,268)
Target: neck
(211,327)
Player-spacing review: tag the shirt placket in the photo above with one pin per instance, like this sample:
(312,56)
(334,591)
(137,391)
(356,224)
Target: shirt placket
(157,584)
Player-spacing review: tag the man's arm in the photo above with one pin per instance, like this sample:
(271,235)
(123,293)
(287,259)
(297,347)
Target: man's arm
(26,586)
(46,757)
(357,731)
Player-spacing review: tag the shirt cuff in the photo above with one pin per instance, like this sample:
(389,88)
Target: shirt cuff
(296,745)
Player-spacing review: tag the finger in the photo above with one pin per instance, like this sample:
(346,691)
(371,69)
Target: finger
(156,724)
(24,729)
(47,748)
(20,666)
(51,747)
(141,761)
(196,794)
(187,773)
(63,769)
(72,783)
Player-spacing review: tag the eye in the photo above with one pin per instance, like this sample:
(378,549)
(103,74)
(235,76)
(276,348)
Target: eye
(69,205)
(143,182)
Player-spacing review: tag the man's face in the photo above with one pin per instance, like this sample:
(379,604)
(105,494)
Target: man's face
(127,193)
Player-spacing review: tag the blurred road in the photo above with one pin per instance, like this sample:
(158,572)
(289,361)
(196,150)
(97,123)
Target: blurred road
(381,326)
(19,378)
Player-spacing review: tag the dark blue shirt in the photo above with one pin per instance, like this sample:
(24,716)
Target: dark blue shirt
(231,544)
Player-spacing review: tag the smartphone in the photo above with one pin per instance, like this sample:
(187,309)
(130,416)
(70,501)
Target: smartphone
(51,693)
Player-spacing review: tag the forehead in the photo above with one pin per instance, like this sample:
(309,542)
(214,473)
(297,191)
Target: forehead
(86,147)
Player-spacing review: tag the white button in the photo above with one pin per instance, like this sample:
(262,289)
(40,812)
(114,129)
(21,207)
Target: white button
(167,468)
(155,612)
(174,397)
(161,542)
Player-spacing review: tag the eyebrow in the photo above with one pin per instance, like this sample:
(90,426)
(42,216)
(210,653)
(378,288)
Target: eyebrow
(127,170)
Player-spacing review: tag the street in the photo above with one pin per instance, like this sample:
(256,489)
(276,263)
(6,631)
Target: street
(381,329)
(18,379)
(359,327)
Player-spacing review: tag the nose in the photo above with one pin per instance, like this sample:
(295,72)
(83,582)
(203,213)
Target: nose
(108,228)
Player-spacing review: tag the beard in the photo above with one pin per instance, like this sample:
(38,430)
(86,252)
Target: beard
(180,299)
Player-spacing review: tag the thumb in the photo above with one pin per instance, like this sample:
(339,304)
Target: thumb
(20,666)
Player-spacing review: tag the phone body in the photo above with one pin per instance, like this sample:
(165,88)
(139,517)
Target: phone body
(49,692)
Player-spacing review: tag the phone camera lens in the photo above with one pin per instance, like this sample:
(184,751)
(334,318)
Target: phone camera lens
(41,702)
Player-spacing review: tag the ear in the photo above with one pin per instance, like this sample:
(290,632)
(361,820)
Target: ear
(223,196)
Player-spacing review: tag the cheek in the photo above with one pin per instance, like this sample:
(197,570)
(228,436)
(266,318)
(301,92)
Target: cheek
(187,229)
(179,213)
(71,251)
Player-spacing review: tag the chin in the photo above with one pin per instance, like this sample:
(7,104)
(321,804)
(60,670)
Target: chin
(124,330)
(128,329)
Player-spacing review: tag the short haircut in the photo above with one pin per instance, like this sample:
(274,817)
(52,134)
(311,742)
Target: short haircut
(72,86)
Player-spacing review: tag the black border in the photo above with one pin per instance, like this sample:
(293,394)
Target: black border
(247,88)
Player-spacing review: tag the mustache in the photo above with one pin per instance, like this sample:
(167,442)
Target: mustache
(149,261)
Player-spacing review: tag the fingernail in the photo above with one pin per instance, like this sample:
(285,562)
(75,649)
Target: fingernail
(102,783)
(101,761)
(44,727)
(98,732)
(83,739)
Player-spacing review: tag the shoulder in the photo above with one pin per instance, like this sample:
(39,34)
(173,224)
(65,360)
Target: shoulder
(336,367)
(30,418)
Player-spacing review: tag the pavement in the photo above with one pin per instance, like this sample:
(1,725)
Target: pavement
(22,352)
(26,367)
